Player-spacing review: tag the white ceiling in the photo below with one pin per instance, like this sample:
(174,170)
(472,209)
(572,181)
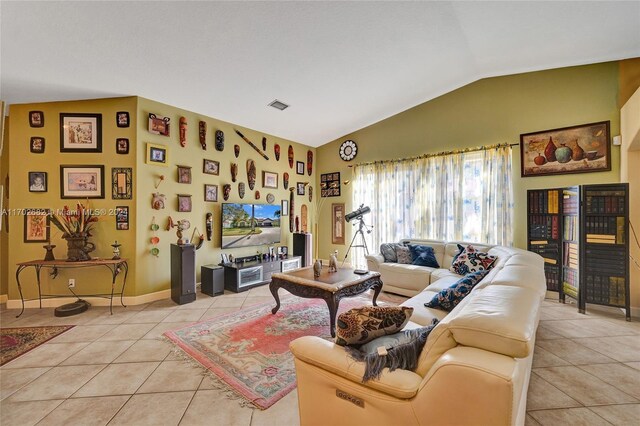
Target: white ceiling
(340,65)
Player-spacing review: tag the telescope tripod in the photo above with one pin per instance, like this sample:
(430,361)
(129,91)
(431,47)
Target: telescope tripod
(363,243)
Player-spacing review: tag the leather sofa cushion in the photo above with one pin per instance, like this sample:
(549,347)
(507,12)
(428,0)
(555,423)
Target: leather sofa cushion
(421,314)
(412,277)
(494,319)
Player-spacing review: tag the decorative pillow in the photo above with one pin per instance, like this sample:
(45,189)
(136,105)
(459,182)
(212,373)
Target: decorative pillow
(399,350)
(471,260)
(388,251)
(448,298)
(460,250)
(404,255)
(361,325)
(423,256)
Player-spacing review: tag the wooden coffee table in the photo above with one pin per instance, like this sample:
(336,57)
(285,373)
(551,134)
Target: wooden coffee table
(329,286)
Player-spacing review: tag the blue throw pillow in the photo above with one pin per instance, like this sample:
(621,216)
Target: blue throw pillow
(423,256)
(449,298)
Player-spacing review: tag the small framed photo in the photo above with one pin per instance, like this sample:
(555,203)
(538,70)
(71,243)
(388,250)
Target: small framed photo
(211,192)
(211,167)
(122,146)
(36,145)
(337,223)
(284,208)
(299,167)
(122,119)
(300,188)
(122,218)
(121,183)
(269,180)
(36,225)
(184,174)
(81,181)
(184,203)
(37,181)
(157,154)
(80,132)
(159,125)
(36,118)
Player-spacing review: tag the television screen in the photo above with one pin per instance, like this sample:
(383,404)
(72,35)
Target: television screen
(245,225)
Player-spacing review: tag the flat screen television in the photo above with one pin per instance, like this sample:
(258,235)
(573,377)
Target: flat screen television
(245,225)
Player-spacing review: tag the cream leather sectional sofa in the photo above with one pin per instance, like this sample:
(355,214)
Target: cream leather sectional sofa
(473,370)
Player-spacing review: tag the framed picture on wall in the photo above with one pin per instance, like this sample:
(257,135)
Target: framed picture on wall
(81,181)
(184,203)
(37,181)
(184,174)
(284,208)
(299,167)
(300,188)
(337,223)
(157,154)
(36,145)
(269,180)
(36,225)
(158,125)
(122,146)
(210,167)
(122,218)
(80,132)
(121,183)
(211,192)
(36,118)
(122,119)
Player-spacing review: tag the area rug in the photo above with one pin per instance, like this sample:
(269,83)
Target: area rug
(249,349)
(20,340)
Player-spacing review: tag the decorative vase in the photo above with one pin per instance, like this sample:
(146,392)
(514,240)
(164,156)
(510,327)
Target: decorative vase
(550,150)
(78,248)
(563,154)
(578,153)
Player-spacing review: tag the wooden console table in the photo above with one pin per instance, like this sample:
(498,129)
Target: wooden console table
(114,265)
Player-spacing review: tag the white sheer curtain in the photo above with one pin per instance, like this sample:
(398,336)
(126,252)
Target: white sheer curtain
(461,196)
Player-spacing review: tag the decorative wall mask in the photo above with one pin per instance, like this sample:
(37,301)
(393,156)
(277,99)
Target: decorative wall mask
(158,200)
(297,224)
(234,171)
(219,140)
(309,162)
(285,180)
(203,134)
(270,199)
(290,153)
(183,131)
(226,190)
(236,150)
(241,189)
(209,225)
(264,143)
(303,217)
(310,193)
(276,151)
(251,174)
(257,195)
(291,209)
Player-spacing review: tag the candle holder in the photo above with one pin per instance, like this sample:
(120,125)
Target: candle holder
(49,255)
(116,250)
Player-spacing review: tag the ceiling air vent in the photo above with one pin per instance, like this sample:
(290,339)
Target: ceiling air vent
(279,105)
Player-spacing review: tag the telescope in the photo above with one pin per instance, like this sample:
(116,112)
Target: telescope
(357,214)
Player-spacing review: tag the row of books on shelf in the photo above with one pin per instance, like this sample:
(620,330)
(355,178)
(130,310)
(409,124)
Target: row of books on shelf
(605,260)
(541,226)
(550,252)
(552,275)
(608,202)
(544,201)
(605,290)
(605,230)
(569,201)
(570,228)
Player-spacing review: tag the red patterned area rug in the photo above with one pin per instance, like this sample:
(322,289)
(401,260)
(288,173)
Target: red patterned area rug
(249,349)
(20,340)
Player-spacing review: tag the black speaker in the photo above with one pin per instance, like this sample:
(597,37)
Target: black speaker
(183,273)
(212,280)
(302,247)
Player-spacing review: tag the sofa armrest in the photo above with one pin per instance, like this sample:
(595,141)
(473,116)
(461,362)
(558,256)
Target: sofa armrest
(374,261)
(333,358)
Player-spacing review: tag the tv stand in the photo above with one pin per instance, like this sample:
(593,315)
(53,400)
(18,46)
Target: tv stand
(241,276)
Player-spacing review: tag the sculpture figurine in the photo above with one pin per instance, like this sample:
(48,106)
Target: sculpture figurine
(181,225)
(183,131)
(203,134)
(116,250)
(317,268)
(333,262)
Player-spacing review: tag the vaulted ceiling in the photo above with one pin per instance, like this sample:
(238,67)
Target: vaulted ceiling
(340,65)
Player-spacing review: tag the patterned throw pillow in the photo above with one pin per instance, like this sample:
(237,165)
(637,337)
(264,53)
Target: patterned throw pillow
(471,260)
(361,325)
(388,251)
(448,298)
(423,256)
(404,255)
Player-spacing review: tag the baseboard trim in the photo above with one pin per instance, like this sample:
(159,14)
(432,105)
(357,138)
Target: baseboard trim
(95,301)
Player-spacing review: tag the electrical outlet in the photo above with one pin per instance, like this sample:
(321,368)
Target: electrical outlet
(72,282)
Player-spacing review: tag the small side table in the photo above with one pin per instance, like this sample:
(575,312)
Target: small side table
(212,277)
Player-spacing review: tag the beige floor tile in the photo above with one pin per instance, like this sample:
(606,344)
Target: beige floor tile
(173,376)
(12,380)
(635,365)
(199,411)
(261,291)
(148,316)
(99,353)
(563,328)
(573,352)
(189,315)
(544,333)
(163,304)
(83,333)
(118,317)
(544,358)
(582,386)
(542,395)
(600,327)
(85,411)
(202,302)
(156,332)
(118,379)
(559,312)
(214,312)
(26,413)
(208,383)
(128,332)
(57,383)
(258,300)
(228,302)
(619,415)
(47,355)
(619,375)
(156,409)
(283,412)
(530,421)
(145,350)
(620,348)
(568,416)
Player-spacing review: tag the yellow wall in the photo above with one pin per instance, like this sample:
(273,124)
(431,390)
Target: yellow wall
(4,236)
(154,274)
(22,161)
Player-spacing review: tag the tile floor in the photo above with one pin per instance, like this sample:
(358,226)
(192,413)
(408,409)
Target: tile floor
(113,369)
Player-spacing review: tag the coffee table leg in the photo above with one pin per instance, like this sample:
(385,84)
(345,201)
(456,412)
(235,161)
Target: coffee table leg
(376,291)
(332,304)
(273,287)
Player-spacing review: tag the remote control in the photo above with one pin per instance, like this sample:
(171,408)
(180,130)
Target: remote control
(360,271)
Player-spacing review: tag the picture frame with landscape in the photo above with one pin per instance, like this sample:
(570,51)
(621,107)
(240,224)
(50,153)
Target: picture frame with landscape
(80,132)
(81,181)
